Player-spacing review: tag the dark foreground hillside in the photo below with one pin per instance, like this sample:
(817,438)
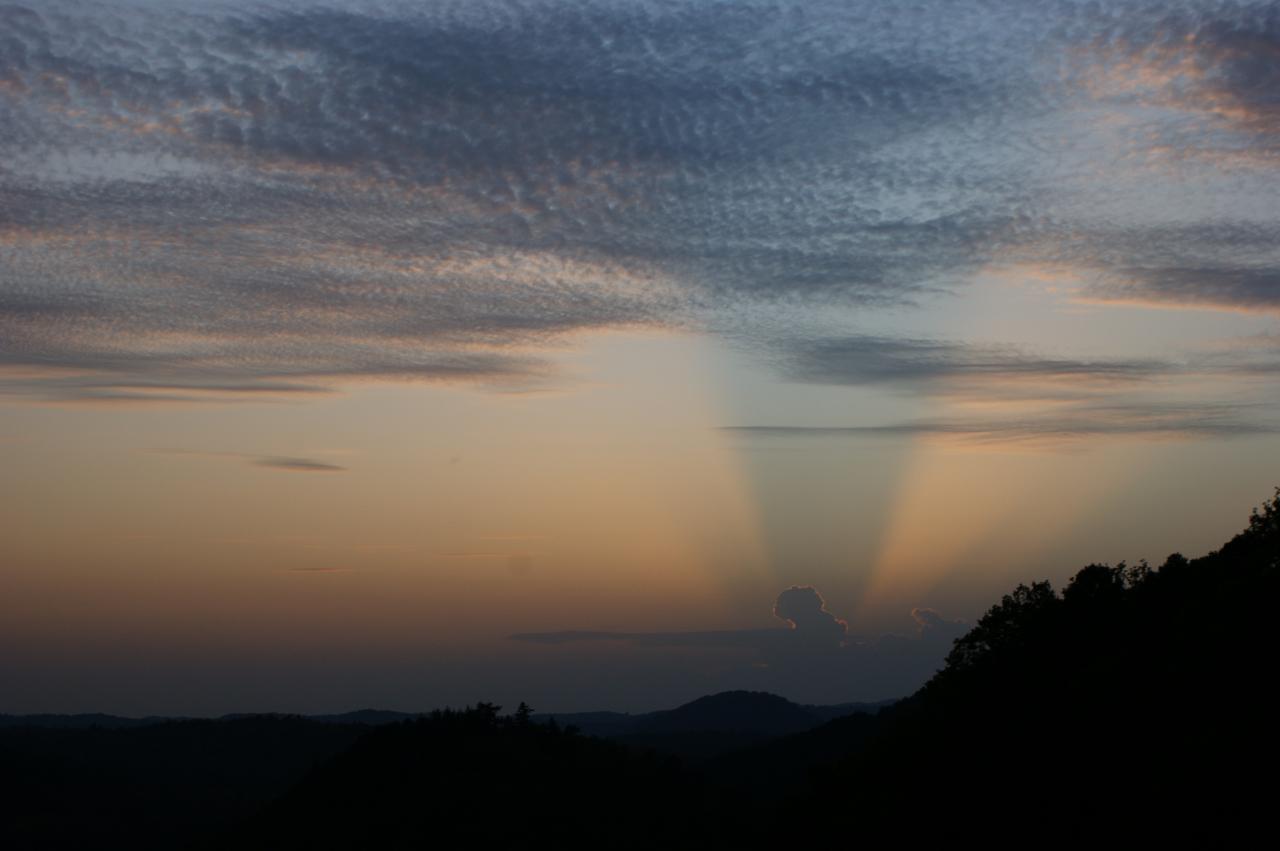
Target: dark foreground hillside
(158,786)
(474,779)
(1135,705)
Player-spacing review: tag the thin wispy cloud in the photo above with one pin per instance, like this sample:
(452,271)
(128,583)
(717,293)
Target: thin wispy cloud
(866,359)
(289,464)
(1182,422)
(297,465)
(1012,394)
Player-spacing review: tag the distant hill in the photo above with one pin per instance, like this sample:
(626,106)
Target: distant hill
(367,717)
(716,712)
(844,710)
(371,717)
(726,712)
(733,712)
(702,728)
(82,721)
(710,725)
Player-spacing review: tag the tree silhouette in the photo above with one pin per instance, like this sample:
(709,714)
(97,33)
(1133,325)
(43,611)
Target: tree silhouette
(1006,625)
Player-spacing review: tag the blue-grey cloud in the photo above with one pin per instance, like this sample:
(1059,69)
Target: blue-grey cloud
(1253,356)
(293,194)
(804,609)
(1231,286)
(1043,398)
(932,623)
(752,638)
(801,606)
(1232,263)
(273,193)
(816,651)
(1210,420)
(858,359)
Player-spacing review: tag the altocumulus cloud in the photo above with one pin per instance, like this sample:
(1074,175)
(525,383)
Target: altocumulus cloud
(257,200)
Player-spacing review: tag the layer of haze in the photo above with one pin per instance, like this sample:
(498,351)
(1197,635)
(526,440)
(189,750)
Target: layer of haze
(607,354)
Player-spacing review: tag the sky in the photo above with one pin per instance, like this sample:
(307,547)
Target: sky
(605,354)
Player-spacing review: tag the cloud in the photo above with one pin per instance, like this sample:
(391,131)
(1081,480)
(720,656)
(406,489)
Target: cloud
(297,465)
(803,607)
(1215,64)
(263,197)
(866,359)
(291,464)
(1214,286)
(1256,355)
(1183,421)
(1232,263)
(994,393)
(268,195)
(748,638)
(816,659)
(933,625)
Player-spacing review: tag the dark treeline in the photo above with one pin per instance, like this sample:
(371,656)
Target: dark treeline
(476,779)
(155,786)
(1135,705)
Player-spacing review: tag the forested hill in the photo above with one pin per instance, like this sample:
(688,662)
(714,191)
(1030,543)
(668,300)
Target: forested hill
(1136,702)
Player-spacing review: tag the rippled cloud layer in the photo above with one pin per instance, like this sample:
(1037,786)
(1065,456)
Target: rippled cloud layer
(248,199)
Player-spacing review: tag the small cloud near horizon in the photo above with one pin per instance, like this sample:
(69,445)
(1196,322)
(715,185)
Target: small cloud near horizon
(804,609)
(297,465)
(287,463)
(815,656)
